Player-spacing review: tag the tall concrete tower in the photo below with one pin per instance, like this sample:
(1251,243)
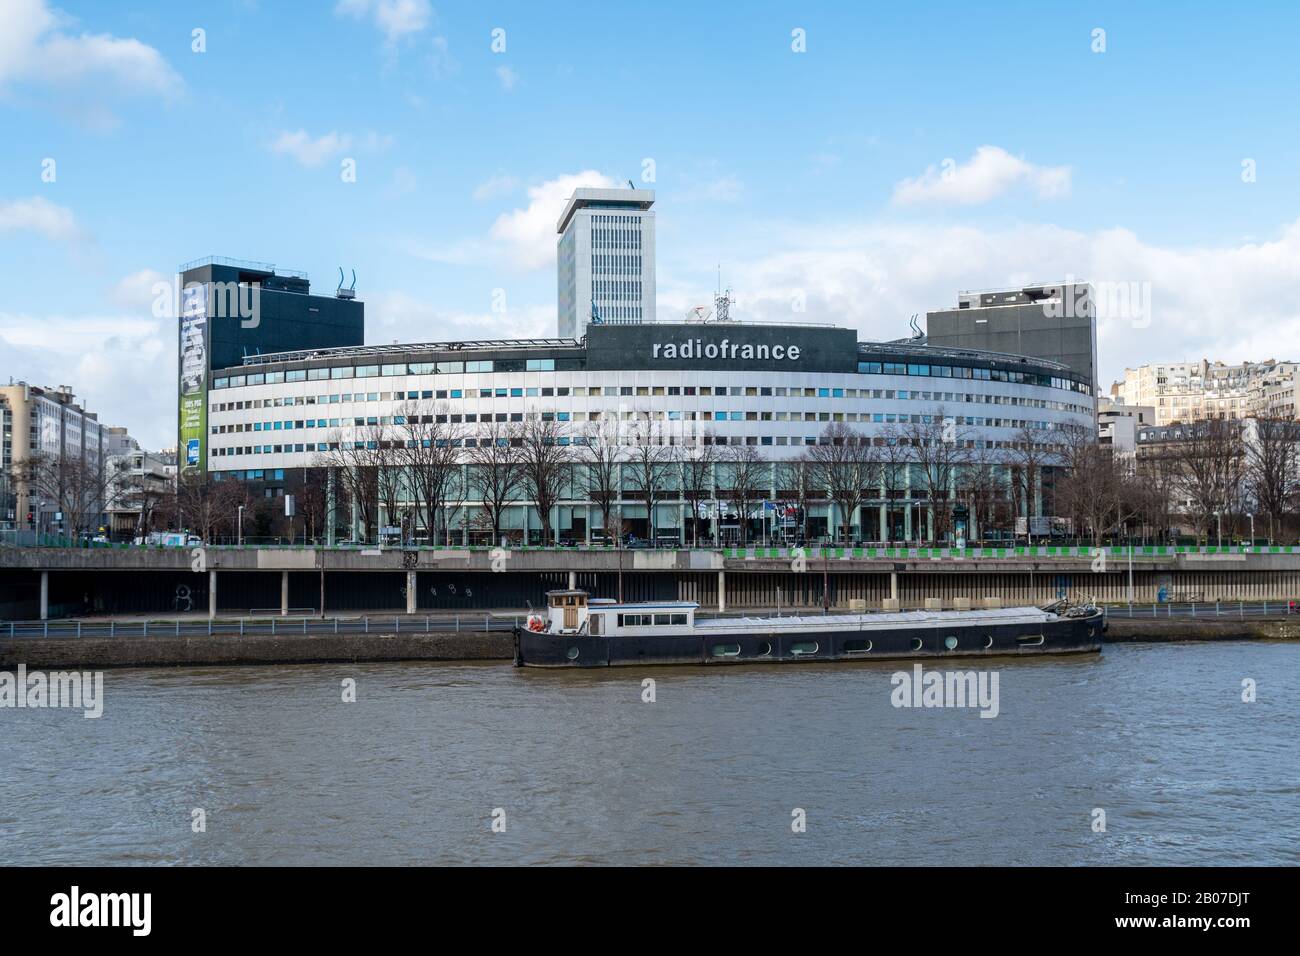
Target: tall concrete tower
(605,262)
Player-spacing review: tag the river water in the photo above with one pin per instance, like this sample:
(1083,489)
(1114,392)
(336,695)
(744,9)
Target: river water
(580,769)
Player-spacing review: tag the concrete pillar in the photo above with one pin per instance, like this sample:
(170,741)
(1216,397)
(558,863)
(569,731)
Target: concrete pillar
(284,593)
(212,592)
(412,592)
(722,590)
(893,585)
(45,595)
(573,580)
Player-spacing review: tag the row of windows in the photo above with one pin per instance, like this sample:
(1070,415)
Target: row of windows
(624,391)
(650,620)
(764,441)
(577,364)
(878,418)
(975,373)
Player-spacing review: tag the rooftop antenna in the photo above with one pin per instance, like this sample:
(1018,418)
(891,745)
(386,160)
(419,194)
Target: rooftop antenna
(722,301)
(351,291)
(722,306)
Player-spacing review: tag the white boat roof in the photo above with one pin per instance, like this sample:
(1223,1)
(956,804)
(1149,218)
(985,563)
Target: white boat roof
(991,616)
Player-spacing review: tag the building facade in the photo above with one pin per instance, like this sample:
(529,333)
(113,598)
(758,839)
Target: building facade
(1193,391)
(47,423)
(230,309)
(777,389)
(605,259)
(1118,424)
(1053,322)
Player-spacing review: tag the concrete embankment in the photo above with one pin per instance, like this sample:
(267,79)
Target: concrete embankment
(93,653)
(1124,630)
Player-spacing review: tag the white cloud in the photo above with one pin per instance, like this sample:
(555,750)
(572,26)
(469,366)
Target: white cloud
(38,215)
(508,77)
(395,19)
(529,234)
(137,291)
(495,186)
(36,47)
(1231,301)
(989,173)
(97,354)
(309,151)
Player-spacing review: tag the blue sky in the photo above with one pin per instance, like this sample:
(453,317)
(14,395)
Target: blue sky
(910,151)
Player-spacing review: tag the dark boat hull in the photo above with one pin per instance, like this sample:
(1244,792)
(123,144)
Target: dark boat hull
(1064,636)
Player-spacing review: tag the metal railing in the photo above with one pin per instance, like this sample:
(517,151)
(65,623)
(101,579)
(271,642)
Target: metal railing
(395,623)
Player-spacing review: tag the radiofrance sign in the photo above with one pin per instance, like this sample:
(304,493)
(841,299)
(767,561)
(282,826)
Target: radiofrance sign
(726,349)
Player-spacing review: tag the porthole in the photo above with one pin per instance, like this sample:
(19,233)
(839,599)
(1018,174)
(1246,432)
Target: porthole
(988,640)
(916,644)
(725,650)
(950,642)
(803,648)
(1032,640)
(857,647)
(764,649)
(571,653)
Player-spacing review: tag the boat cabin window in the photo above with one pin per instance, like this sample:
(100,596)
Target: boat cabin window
(648,620)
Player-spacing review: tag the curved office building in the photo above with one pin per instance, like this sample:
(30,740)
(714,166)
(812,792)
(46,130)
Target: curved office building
(766,392)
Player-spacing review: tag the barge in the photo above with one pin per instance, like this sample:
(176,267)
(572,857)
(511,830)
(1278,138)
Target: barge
(579,631)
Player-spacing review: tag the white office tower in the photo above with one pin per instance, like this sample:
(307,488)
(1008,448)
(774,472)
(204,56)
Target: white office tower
(606,259)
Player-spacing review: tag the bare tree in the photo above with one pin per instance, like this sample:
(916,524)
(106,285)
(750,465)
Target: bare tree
(1211,460)
(600,454)
(1094,489)
(77,487)
(982,487)
(844,465)
(939,448)
(698,460)
(893,463)
(496,461)
(430,454)
(1030,453)
(647,468)
(312,499)
(744,469)
(792,487)
(1271,468)
(208,507)
(543,464)
(356,477)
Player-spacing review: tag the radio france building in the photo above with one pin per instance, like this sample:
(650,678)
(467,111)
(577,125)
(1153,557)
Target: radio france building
(276,418)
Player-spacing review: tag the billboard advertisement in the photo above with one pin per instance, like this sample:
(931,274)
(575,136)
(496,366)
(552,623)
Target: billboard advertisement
(193,376)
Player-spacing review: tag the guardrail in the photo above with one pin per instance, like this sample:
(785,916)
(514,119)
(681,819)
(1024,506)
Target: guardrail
(867,552)
(247,627)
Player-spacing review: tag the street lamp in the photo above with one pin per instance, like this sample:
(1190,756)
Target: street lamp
(1218,518)
(1251,516)
(240,539)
